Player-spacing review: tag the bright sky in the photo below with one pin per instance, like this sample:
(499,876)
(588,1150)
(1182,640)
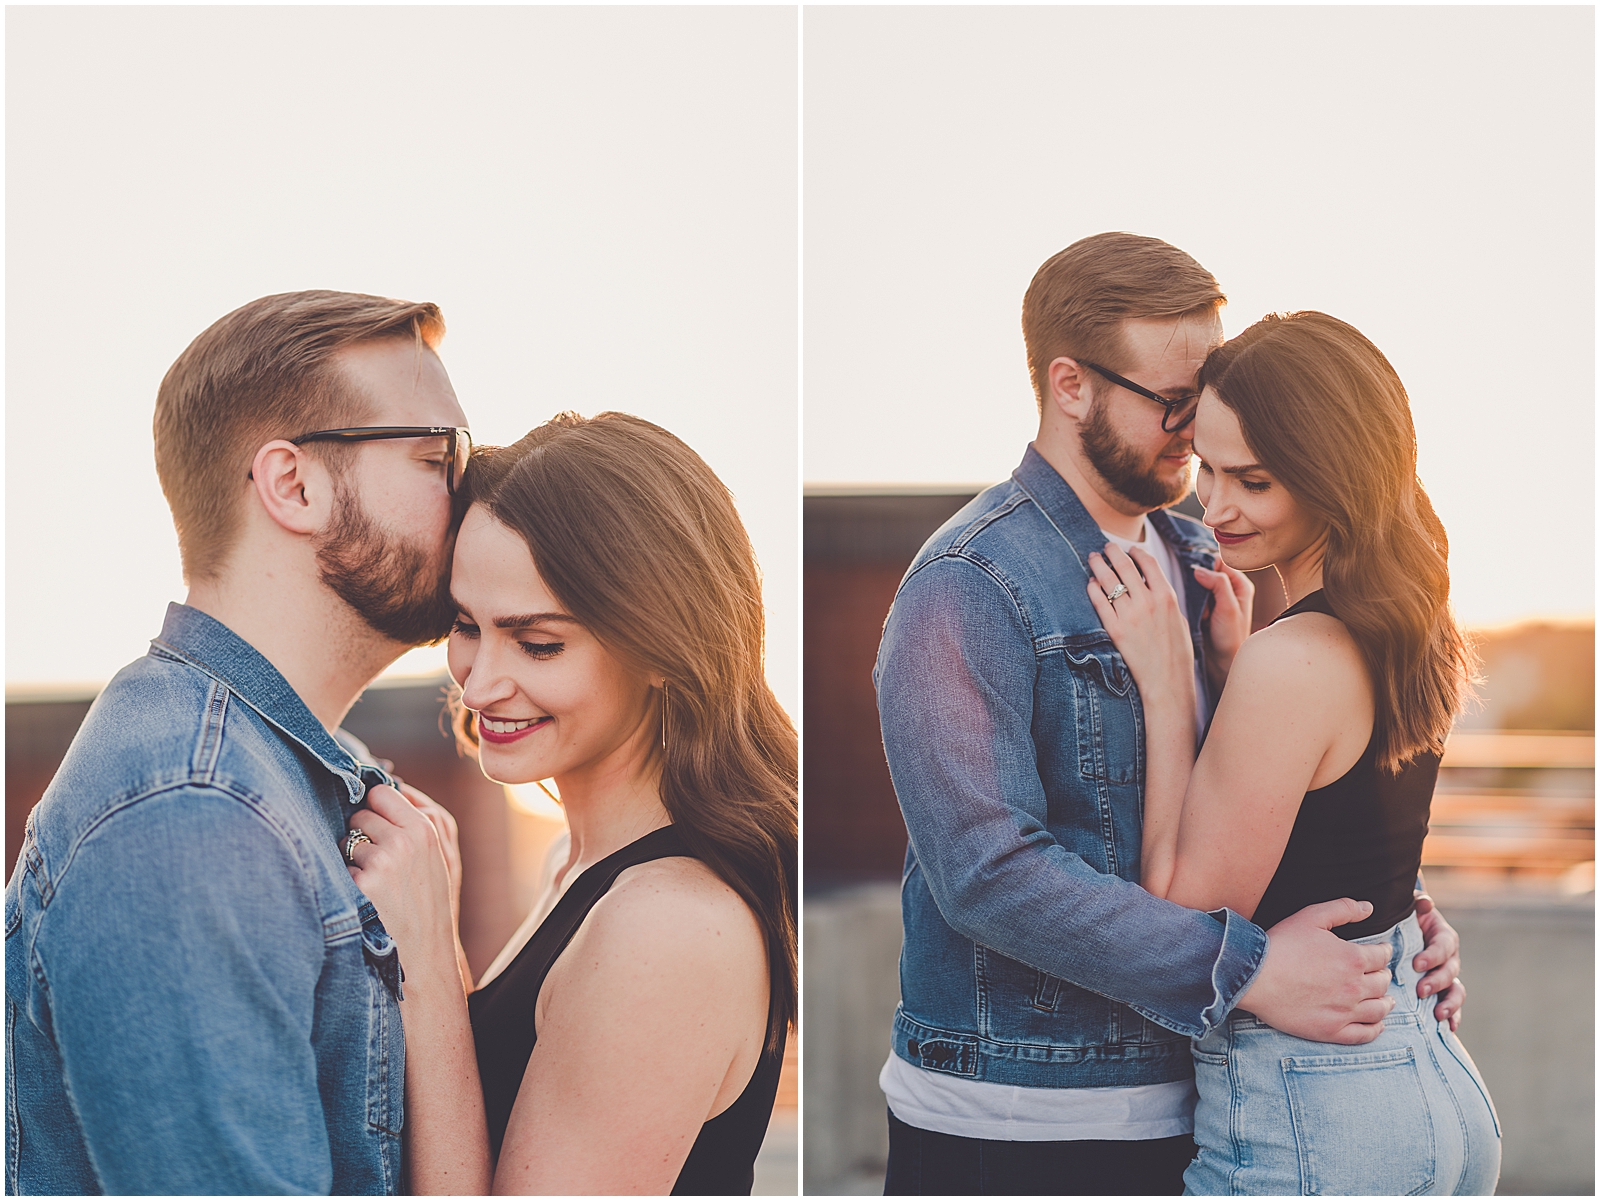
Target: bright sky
(1425,173)
(603,201)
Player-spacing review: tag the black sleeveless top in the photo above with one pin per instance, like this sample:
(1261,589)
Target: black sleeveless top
(722,1160)
(1360,836)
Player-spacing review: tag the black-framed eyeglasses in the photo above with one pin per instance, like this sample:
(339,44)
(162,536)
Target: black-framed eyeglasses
(1178,413)
(458,448)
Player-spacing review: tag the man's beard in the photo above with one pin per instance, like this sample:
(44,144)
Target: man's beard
(1121,466)
(393,584)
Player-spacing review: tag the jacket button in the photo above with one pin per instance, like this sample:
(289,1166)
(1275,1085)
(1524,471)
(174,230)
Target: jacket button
(911,1047)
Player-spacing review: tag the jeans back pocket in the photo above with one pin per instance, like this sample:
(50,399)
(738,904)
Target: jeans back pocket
(1361,1123)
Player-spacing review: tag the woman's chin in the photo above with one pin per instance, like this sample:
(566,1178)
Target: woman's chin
(503,768)
(1241,559)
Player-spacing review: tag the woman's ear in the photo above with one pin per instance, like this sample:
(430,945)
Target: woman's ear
(294,487)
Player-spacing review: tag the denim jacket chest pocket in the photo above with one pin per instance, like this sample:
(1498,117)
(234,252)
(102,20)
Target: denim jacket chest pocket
(1088,736)
(386,1048)
(1105,707)
(366,958)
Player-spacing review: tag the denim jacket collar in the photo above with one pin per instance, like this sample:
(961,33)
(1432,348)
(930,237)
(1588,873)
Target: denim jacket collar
(205,643)
(1060,505)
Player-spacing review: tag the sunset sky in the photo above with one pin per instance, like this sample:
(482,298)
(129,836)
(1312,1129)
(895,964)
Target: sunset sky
(607,204)
(603,201)
(1425,173)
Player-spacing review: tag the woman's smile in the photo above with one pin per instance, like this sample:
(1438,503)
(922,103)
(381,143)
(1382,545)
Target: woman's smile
(1233,539)
(504,730)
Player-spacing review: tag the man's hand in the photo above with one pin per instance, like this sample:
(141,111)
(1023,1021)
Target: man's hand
(1440,963)
(1314,985)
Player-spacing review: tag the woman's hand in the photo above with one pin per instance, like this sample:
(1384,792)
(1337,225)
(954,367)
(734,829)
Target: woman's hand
(411,870)
(406,871)
(444,824)
(1145,622)
(1233,597)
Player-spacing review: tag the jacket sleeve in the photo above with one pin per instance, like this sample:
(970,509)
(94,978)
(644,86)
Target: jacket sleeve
(181,955)
(956,675)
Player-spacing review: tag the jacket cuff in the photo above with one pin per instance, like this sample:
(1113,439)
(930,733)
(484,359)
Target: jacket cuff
(1244,948)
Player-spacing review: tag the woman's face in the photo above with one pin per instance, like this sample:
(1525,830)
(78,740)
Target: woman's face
(551,700)
(1256,521)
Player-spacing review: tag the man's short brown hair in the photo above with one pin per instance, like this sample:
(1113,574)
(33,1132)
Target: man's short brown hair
(1078,300)
(264,371)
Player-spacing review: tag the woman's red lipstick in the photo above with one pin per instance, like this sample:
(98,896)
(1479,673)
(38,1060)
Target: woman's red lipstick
(502,737)
(1231,539)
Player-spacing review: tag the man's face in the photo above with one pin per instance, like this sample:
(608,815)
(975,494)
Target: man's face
(1122,435)
(386,552)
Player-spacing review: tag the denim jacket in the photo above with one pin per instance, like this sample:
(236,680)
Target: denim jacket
(1015,740)
(198,998)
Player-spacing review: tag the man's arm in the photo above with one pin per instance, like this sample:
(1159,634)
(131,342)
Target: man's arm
(181,955)
(956,676)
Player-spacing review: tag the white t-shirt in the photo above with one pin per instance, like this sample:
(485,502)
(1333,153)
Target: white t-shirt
(1009,1112)
(949,1104)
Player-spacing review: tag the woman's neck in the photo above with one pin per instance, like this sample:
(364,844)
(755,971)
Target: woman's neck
(1302,573)
(607,811)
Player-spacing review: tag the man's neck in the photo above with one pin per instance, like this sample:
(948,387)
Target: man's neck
(318,644)
(1113,513)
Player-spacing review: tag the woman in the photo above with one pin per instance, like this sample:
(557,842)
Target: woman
(609,636)
(1316,774)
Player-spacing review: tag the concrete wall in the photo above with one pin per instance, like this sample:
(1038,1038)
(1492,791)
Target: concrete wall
(1529,1023)
(1528,965)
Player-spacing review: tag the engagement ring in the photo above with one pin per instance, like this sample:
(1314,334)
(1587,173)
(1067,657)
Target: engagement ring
(351,840)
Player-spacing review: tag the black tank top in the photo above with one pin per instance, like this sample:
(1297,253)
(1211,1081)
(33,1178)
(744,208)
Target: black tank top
(722,1160)
(1360,836)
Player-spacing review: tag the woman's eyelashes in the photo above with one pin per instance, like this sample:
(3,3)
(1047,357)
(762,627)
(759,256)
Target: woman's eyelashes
(1256,486)
(536,650)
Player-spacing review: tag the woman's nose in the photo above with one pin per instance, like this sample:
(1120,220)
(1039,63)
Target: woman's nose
(485,683)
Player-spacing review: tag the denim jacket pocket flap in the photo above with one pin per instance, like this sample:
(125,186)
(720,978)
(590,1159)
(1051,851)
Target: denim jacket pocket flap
(383,956)
(1099,659)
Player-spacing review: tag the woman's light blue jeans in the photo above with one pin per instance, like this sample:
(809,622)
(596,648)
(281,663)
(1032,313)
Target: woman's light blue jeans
(1405,1115)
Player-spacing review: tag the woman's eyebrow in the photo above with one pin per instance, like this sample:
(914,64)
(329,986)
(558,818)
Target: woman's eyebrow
(517,621)
(1248,467)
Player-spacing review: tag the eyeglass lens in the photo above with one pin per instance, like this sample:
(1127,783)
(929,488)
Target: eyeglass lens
(1179,415)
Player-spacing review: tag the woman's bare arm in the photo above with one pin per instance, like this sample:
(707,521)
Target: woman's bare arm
(1297,714)
(1146,623)
(406,871)
(651,1022)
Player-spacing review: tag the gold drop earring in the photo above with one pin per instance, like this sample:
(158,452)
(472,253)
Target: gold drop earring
(663,715)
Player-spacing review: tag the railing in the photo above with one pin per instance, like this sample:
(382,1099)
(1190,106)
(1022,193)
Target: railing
(1542,824)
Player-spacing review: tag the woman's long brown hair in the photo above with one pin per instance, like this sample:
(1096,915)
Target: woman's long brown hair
(1322,410)
(641,542)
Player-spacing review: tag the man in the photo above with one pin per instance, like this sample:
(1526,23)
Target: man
(198,998)
(1042,1041)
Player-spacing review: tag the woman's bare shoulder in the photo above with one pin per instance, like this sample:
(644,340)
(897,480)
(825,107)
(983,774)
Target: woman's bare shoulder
(676,906)
(1309,651)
